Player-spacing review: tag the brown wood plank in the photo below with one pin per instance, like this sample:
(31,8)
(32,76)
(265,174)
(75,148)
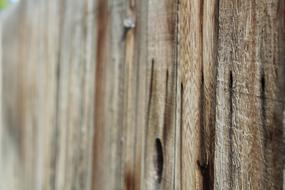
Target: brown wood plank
(197,62)
(160,127)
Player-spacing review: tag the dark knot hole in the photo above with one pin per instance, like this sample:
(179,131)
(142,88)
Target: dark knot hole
(158,162)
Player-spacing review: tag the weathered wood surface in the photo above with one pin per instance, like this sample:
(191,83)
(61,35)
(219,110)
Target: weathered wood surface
(250,96)
(142,94)
(49,93)
(197,62)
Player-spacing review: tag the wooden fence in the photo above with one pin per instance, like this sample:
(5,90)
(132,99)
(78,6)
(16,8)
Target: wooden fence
(142,94)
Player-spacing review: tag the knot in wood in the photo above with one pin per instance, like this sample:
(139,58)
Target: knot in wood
(129,23)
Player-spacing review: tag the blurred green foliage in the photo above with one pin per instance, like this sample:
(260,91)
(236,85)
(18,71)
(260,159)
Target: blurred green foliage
(3,4)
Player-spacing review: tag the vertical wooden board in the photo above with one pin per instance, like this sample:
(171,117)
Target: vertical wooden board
(35,55)
(250,87)
(122,125)
(208,95)
(75,75)
(160,126)
(106,144)
(31,106)
(131,119)
(190,46)
(44,59)
(10,141)
(19,107)
(197,65)
(115,93)
(272,58)
(99,111)
(121,92)
(111,96)
(222,154)
(142,88)
(24,98)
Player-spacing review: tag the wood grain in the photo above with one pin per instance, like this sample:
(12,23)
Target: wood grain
(197,59)
(249,98)
(142,95)
(160,127)
(48,84)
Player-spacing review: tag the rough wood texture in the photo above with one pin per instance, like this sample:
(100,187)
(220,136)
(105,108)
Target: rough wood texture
(250,95)
(142,94)
(160,128)
(197,61)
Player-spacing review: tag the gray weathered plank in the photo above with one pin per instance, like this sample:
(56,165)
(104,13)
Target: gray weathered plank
(250,95)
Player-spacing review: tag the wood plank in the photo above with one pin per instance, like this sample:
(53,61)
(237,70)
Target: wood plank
(48,117)
(249,95)
(160,127)
(197,63)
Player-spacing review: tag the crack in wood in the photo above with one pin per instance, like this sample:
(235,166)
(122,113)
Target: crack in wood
(203,162)
(231,130)
(167,111)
